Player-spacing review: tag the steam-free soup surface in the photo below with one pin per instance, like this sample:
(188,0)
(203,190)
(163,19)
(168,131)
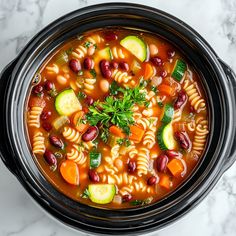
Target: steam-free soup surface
(117,118)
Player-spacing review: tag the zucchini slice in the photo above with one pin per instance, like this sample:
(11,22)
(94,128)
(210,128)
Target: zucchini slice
(101,193)
(105,54)
(179,70)
(66,103)
(167,114)
(165,137)
(136,46)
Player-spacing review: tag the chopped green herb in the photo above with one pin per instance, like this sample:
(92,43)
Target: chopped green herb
(69,51)
(154,89)
(160,104)
(142,202)
(80,72)
(124,141)
(36,79)
(114,88)
(93,73)
(81,95)
(146,103)
(143,83)
(80,37)
(104,134)
(120,141)
(86,194)
(87,44)
(117,111)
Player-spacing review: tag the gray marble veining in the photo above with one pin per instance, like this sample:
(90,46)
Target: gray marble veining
(215,20)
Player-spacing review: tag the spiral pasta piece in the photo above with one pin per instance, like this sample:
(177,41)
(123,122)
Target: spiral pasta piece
(147,123)
(177,115)
(141,186)
(195,99)
(38,143)
(71,135)
(117,53)
(53,69)
(200,136)
(142,161)
(89,85)
(79,52)
(76,155)
(115,151)
(121,77)
(149,139)
(34,116)
(118,179)
(95,39)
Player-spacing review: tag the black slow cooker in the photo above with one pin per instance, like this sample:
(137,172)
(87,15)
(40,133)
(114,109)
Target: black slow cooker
(218,80)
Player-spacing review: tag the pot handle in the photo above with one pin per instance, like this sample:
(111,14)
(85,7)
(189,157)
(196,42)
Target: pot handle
(5,154)
(232,80)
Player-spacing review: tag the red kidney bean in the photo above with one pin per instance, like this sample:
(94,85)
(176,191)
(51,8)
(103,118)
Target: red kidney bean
(124,66)
(105,69)
(191,109)
(183,139)
(38,89)
(181,99)
(131,166)
(90,134)
(45,115)
(172,154)
(163,73)
(89,101)
(110,36)
(157,61)
(56,142)
(114,65)
(88,63)
(162,161)
(50,157)
(75,65)
(48,85)
(170,53)
(93,176)
(47,126)
(126,198)
(152,180)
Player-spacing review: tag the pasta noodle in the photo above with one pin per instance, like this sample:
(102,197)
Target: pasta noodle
(177,115)
(76,154)
(79,52)
(54,69)
(38,143)
(89,85)
(95,39)
(34,116)
(142,161)
(195,98)
(149,139)
(118,179)
(71,135)
(121,77)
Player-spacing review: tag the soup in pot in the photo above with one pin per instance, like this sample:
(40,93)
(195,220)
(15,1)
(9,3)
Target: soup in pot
(117,117)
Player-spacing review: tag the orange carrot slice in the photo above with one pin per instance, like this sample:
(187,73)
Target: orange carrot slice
(176,167)
(166,89)
(148,71)
(116,131)
(136,133)
(164,182)
(70,172)
(77,121)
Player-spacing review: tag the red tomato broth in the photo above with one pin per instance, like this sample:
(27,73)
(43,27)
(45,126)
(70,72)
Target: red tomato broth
(75,192)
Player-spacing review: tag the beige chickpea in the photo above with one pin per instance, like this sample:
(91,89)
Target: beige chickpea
(61,79)
(91,50)
(104,85)
(153,49)
(119,164)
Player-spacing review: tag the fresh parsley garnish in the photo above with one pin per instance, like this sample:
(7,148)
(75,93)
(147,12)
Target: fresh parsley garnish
(117,110)
(93,73)
(154,89)
(81,95)
(142,202)
(86,194)
(87,44)
(124,141)
(160,104)
(69,51)
(114,88)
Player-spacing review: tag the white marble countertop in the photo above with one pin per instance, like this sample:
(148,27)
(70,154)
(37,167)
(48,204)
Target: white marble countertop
(215,20)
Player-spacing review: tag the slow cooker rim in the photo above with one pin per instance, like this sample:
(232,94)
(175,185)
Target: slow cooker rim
(113,5)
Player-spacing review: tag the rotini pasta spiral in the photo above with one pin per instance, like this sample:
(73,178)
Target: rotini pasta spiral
(38,143)
(200,136)
(89,85)
(177,115)
(115,151)
(79,52)
(149,138)
(118,179)
(34,116)
(141,186)
(147,123)
(95,39)
(71,135)
(121,77)
(142,161)
(76,154)
(53,69)
(117,53)
(195,99)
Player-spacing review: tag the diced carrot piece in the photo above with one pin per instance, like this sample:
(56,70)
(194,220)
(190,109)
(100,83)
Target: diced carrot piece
(148,71)
(77,121)
(164,182)
(116,131)
(166,89)
(37,102)
(156,111)
(70,172)
(176,167)
(136,133)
